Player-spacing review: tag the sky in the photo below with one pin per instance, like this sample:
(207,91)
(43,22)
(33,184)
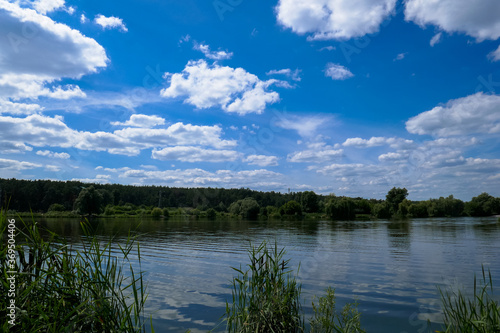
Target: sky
(331,96)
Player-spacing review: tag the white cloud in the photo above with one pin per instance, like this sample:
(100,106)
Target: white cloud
(378,141)
(292,74)
(214,55)
(110,22)
(478,113)
(232,89)
(436,39)
(141,120)
(400,56)
(261,178)
(14,165)
(38,51)
(261,160)
(317,153)
(83,19)
(495,55)
(305,126)
(334,19)
(478,18)
(43,131)
(47,6)
(48,153)
(18,108)
(337,72)
(13,147)
(194,154)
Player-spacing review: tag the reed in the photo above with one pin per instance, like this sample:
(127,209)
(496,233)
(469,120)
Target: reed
(266,298)
(327,320)
(477,314)
(61,288)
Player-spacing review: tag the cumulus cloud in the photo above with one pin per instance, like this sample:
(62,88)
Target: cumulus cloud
(46,6)
(261,160)
(378,141)
(194,154)
(334,19)
(141,120)
(52,154)
(197,177)
(233,89)
(43,131)
(337,72)
(316,153)
(214,55)
(38,51)
(478,113)
(478,19)
(18,108)
(14,165)
(110,22)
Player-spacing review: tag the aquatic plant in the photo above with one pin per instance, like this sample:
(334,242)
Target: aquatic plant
(61,288)
(477,314)
(266,298)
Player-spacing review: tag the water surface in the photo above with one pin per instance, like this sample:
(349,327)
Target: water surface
(391,268)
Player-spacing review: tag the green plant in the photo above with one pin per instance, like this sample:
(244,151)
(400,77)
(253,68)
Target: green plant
(266,297)
(326,320)
(64,289)
(479,314)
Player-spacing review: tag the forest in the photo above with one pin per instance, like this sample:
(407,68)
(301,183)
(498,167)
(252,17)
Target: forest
(58,198)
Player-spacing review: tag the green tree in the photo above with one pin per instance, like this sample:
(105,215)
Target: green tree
(56,208)
(382,210)
(156,212)
(341,209)
(394,197)
(483,205)
(292,207)
(418,209)
(211,214)
(309,201)
(248,208)
(89,201)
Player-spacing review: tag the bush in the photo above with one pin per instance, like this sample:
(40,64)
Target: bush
(211,214)
(156,212)
(166,213)
(56,208)
(341,209)
(292,207)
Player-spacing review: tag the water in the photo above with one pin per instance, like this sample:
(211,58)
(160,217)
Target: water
(391,269)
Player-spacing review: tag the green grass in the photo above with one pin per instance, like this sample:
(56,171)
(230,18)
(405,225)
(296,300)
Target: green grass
(63,289)
(477,314)
(266,298)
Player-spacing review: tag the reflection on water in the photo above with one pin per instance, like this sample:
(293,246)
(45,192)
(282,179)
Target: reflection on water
(391,268)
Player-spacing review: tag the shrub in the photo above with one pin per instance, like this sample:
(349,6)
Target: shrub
(156,212)
(56,208)
(292,207)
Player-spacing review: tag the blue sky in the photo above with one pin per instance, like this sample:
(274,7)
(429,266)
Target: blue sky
(335,96)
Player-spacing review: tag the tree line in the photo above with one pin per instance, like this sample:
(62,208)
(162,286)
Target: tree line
(41,196)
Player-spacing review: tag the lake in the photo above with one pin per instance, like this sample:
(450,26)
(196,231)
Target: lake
(391,268)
